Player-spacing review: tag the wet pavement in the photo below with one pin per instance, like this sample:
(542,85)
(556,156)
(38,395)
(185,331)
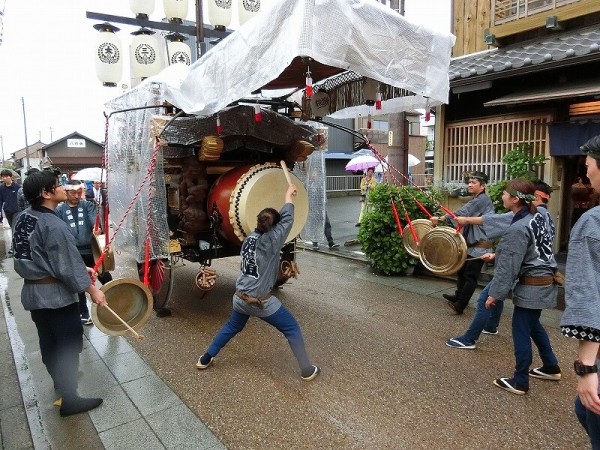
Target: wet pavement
(388,379)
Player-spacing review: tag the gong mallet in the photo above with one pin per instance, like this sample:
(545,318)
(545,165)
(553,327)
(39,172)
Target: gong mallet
(138,336)
(286,172)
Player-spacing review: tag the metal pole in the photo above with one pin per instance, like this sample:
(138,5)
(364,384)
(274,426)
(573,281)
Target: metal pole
(2,146)
(199,30)
(398,128)
(26,144)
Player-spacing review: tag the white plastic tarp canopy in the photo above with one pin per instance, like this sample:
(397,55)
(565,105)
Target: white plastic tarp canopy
(364,36)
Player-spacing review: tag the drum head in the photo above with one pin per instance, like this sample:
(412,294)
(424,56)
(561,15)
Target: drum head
(443,251)
(421,227)
(242,193)
(130,299)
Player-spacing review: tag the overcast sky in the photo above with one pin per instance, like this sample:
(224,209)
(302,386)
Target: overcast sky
(46,57)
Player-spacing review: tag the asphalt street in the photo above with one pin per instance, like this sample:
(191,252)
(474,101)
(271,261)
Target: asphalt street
(388,380)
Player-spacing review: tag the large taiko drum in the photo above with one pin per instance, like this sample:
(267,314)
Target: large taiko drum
(243,192)
(443,251)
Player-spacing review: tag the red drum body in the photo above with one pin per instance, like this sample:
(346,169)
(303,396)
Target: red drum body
(243,192)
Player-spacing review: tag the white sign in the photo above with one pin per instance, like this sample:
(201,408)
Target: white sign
(76,143)
(390,138)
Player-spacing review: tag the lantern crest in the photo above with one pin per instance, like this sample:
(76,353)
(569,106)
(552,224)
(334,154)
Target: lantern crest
(146,59)
(108,58)
(247,9)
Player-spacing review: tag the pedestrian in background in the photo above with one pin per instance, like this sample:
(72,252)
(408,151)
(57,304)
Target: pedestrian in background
(367,183)
(8,198)
(21,200)
(581,319)
(260,265)
(47,258)
(80,216)
(478,243)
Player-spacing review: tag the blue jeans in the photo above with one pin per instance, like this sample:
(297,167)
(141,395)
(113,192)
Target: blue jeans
(281,319)
(484,319)
(526,327)
(590,422)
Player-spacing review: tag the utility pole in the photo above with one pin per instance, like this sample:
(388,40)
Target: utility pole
(398,127)
(26,144)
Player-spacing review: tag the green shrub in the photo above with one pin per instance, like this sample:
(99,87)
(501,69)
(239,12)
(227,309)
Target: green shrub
(378,234)
(520,163)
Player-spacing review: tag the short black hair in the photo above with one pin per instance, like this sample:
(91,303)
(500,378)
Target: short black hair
(36,184)
(6,173)
(32,170)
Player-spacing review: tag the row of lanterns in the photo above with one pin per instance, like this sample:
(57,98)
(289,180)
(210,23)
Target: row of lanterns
(147,55)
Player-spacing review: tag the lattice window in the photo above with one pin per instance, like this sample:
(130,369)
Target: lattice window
(478,145)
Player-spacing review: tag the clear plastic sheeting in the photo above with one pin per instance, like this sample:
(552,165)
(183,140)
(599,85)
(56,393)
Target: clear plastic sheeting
(130,149)
(359,35)
(312,173)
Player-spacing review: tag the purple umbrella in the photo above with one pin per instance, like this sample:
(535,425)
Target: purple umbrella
(362,162)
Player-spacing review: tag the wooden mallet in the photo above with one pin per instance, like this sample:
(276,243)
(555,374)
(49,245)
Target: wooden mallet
(138,336)
(286,172)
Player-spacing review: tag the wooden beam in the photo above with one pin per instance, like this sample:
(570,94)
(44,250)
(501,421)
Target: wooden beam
(571,11)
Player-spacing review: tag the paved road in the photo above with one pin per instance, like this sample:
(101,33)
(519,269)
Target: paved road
(388,380)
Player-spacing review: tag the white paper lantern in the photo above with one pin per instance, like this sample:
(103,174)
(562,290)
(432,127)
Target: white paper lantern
(176,10)
(146,59)
(109,55)
(219,13)
(178,51)
(247,9)
(319,104)
(370,88)
(142,8)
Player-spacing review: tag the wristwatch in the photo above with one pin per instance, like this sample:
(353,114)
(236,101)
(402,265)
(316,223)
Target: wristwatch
(581,369)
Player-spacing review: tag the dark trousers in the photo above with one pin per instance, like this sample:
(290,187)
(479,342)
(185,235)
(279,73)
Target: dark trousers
(526,327)
(467,282)
(60,335)
(327,230)
(104,278)
(9,217)
(590,421)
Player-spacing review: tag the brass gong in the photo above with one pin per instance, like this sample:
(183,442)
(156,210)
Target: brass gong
(421,227)
(98,246)
(130,299)
(443,251)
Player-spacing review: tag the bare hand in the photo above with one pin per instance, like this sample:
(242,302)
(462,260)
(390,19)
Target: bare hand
(434,220)
(461,220)
(96,295)
(291,191)
(487,257)
(490,302)
(587,389)
(93,275)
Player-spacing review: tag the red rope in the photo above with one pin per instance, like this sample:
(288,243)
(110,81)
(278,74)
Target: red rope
(412,228)
(149,172)
(396,217)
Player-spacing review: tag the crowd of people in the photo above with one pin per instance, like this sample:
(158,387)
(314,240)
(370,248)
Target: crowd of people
(525,270)
(51,240)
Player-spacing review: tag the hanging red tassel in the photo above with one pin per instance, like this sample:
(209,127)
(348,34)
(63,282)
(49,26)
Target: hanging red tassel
(378,100)
(369,122)
(309,89)
(257,113)
(428,116)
